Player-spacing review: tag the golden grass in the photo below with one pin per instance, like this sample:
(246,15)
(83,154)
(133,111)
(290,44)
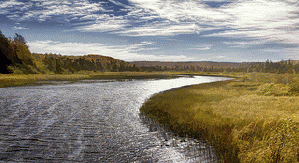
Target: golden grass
(254,118)
(245,120)
(11,80)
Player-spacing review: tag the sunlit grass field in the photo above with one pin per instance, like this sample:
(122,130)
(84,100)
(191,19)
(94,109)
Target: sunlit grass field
(254,118)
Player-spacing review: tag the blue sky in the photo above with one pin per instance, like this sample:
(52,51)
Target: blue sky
(158,30)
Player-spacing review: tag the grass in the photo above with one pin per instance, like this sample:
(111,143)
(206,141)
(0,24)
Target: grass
(254,118)
(12,80)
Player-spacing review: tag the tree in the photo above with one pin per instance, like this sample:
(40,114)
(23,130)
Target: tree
(5,63)
(20,39)
(50,62)
(122,67)
(6,50)
(58,66)
(23,53)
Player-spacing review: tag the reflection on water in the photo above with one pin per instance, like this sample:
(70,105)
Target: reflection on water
(90,121)
(191,150)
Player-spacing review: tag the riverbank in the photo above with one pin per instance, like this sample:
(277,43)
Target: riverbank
(12,80)
(254,118)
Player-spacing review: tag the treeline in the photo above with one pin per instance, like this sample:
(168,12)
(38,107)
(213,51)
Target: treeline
(59,64)
(204,66)
(192,68)
(284,66)
(17,58)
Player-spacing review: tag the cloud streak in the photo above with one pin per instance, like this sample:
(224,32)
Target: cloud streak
(44,9)
(236,26)
(128,53)
(264,19)
(163,29)
(272,20)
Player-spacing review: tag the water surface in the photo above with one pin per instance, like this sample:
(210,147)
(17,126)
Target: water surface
(94,121)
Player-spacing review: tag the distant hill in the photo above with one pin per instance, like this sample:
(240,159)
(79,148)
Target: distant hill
(63,64)
(19,60)
(89,57)
(194,66)
(284,66)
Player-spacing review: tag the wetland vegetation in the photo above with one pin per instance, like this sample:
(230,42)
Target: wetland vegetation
(10,80)
(254,118)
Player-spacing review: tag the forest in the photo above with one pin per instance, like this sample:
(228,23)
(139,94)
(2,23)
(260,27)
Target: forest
(18,59)
(284,66)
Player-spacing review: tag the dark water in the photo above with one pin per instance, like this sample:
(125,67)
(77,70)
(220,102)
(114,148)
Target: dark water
(91,122)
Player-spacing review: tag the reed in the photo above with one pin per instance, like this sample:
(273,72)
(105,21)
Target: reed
(245,120)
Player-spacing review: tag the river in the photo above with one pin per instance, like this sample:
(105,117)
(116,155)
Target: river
(92,121)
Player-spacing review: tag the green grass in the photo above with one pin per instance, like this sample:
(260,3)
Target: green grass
(254,118)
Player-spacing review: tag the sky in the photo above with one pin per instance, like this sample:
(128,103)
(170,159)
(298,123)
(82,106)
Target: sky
(158,30)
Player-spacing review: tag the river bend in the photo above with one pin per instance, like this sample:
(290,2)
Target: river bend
(94,121)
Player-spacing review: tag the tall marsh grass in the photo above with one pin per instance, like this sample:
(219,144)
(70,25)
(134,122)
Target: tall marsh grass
(254,118)
(11,80)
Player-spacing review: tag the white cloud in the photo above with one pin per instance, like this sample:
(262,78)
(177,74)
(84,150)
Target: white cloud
(43,9)
(119,3)
(94,17)
(124,52)
(204,48)
(263,19)
(245,44)
(105,25)
(221,56)
(163,29)
(273,20)
(6,6)
(290,37)
(178,11)
(272,50)
(18,28)
(68,48)
(10,3)
(270,20)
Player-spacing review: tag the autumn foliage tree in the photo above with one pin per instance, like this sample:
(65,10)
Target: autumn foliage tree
(6,53)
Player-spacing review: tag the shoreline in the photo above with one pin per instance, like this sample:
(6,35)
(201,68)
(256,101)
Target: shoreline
(252,118)
(160,108)
(15,80)
(244,120)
